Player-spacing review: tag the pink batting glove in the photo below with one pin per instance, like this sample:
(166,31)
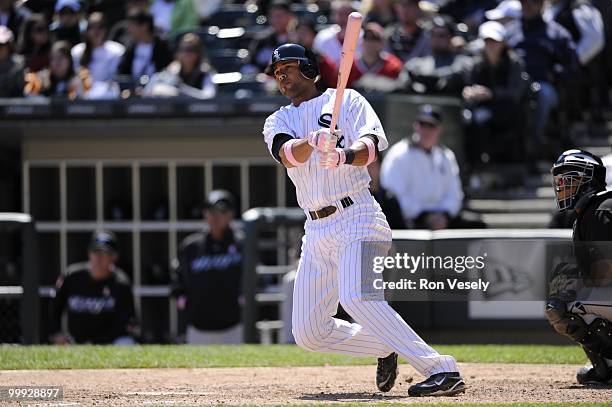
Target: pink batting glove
(323,140)
(332,159)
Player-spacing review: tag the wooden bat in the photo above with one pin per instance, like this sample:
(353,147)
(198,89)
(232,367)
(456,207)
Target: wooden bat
(353,27)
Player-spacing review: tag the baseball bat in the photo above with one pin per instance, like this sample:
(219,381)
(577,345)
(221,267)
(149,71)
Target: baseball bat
(353,26)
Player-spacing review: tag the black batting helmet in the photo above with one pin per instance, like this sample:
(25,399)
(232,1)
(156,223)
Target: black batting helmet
(295,52)
(576,173)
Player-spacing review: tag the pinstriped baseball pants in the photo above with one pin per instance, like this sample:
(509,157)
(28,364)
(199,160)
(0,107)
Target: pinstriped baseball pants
(329,273)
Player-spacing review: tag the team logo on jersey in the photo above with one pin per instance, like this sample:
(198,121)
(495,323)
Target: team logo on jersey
(325,121)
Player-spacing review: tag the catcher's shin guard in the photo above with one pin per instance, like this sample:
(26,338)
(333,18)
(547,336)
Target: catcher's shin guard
(597,344)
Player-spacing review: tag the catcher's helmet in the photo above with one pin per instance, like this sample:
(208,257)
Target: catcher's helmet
(576,173)
(294,52)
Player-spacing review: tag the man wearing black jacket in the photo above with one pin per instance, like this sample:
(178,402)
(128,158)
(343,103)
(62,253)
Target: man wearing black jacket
(97,297)
(208,277)
(147,53)
(579,304)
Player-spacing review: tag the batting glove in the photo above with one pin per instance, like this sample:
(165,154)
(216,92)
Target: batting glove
(323,139)
(332,159)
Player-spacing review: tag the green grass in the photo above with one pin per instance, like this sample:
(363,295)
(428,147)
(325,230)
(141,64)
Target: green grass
(473,405)
(149,356)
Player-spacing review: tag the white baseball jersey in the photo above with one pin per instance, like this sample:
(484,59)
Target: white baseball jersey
(318,187)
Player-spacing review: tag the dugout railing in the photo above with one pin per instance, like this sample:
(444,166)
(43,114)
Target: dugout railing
(18,247)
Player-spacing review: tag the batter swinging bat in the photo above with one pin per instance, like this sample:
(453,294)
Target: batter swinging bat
(353,26)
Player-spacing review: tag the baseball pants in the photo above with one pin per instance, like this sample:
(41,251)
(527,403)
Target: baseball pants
(329,273)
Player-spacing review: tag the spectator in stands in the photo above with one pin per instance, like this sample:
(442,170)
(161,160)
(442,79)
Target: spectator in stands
(11,66)
(146,53)
(443,71)
(374,62)
(408,38)
(189,74)
(381,12)
(59,80)
(329,41)
(97,297)
(388,202)
(120,30)
(424,176)
(208,276)
(495,88)
(281,19)
(507,12)
(12,16)
(549,57)
(605,9)
(304,34)
(585,25)
(173,17)
(67,26)
(35,42)
(100,57)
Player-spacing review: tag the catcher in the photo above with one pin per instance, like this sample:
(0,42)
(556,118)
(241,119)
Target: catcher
(580,295)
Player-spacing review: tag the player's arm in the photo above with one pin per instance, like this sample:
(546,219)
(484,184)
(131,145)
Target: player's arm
(361,153)
(291,152)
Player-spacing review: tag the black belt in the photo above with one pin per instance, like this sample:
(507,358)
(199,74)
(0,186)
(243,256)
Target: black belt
(328,210)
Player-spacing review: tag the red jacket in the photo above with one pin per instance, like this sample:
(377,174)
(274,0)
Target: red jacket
(390,67)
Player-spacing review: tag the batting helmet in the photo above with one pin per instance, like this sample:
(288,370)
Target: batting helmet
(294,52)
(576,173)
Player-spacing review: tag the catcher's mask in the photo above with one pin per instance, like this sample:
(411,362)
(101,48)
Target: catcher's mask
(576,173)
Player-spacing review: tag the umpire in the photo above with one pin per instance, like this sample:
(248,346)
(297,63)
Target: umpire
(97,296)
(208,275)
(580,295)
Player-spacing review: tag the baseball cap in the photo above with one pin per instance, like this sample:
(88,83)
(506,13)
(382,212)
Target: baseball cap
(493,30)
(373,30)
(140,16)
(429,114)
(220,200)
(505,9)
(103,241)
(74,5)
(6,35)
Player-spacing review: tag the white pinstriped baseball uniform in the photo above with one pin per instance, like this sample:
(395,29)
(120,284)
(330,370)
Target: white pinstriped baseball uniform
(329,269)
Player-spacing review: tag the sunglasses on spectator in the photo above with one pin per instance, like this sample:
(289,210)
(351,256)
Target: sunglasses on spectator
(189,49)
(95,27)
(40,29)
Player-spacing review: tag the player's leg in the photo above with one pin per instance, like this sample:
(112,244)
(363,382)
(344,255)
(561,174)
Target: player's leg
(315,301)
(377,316)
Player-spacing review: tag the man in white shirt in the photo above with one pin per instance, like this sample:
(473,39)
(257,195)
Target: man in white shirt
(424,176)
(328,42)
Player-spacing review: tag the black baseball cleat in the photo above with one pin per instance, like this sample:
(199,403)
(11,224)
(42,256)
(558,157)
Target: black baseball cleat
(386,372)
(588,376)
(439,384)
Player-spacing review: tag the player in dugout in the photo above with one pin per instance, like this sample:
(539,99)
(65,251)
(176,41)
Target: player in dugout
(97,297)
(579,303)
(208,273)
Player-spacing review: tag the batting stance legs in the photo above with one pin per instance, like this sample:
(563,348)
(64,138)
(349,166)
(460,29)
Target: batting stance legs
(330,273)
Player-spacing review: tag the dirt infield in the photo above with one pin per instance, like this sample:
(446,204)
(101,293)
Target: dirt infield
(500,383)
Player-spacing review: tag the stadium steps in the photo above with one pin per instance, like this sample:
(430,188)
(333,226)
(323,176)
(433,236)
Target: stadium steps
(510,197)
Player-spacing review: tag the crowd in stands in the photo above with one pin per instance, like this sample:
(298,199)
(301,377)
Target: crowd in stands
(510,61)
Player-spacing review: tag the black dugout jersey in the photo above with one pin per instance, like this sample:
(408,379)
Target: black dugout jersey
(99,311)
(209,275)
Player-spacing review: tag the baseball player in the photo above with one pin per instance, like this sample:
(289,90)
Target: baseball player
(328,169)
(579,304)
